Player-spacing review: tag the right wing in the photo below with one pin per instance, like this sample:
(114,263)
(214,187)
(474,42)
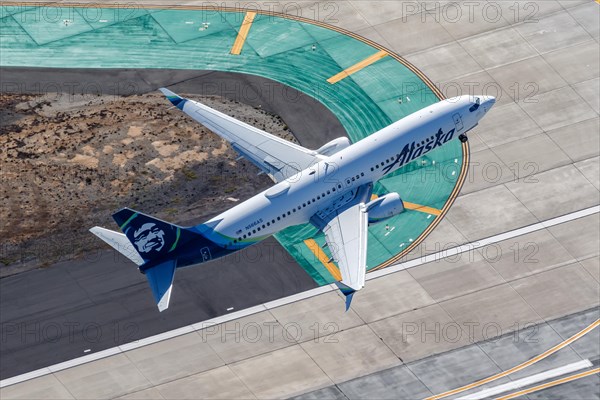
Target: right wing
(276,157)
(346,236)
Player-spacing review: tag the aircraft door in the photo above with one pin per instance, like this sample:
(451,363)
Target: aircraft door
(458,122)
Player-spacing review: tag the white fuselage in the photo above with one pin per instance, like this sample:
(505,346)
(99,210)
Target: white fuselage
(329,183)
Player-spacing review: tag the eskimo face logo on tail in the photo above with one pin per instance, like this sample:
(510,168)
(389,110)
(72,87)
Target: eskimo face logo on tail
(149,238)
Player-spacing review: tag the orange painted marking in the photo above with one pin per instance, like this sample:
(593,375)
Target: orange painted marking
(550,384)
(520,366)
(243,33)
(416,207)
(357,67)
(318,251)
(423,209)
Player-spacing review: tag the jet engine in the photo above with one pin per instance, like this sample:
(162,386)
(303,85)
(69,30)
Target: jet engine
(384,207)
(334,146)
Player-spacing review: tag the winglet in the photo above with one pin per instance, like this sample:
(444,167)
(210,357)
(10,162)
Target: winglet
(348,292)
(176,100)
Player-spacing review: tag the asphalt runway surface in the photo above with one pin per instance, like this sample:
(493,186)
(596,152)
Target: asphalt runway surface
(75,307)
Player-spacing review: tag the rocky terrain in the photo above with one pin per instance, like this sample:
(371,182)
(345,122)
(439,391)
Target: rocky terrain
(68,162)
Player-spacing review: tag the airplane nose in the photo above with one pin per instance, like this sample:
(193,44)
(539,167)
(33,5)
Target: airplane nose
(489,100)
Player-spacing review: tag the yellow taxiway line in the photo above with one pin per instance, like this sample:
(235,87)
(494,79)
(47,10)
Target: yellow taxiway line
(423,209)
(550,384)
(357,67)
(318,251)
(243,33)
(520,366)
(416,207)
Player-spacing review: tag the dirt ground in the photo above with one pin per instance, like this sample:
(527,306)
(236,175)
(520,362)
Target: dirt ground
(68,162)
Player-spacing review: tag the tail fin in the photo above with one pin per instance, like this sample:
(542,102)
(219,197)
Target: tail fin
(153,240)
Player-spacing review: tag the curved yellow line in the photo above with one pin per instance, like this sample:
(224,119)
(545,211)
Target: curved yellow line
(519,367)
(550,384)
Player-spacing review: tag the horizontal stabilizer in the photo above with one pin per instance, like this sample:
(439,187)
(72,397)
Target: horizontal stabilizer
(160,279)
(119,242)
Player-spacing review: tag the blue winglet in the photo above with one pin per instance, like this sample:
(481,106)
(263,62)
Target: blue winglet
(176,100)
(348,292)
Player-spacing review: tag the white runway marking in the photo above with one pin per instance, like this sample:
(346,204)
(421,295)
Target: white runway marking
(530,380)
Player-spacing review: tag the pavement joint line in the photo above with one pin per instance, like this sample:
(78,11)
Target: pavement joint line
(530,380)
(358,66)
(294,298)
(551,384)
(519,367)
(243,33)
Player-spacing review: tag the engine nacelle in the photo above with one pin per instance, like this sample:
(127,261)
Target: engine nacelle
(334,146)
(384,207)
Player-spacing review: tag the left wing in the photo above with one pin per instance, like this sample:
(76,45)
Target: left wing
(346,236)
(276,157)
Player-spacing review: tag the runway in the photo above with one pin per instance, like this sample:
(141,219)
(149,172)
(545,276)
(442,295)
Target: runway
(451,319)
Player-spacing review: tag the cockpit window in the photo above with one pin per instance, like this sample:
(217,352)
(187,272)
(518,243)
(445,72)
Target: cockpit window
(475,106)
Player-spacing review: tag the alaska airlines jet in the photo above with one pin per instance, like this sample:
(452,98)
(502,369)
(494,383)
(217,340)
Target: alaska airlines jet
(329,187)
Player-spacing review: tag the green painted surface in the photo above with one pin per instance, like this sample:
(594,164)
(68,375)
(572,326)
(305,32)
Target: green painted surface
(298,54)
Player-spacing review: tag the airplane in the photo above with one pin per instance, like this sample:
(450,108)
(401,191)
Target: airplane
(329,187)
